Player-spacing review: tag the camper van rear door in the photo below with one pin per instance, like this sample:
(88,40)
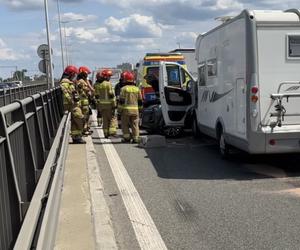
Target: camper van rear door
(174,99)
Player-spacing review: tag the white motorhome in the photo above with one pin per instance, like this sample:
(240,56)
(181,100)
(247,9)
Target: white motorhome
(249,82)
(190,60)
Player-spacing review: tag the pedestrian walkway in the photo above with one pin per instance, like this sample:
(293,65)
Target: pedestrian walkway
(75,225)
(84,218)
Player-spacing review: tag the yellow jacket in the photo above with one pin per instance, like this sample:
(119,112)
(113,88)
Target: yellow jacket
(105,95)
(130,100)
(67,88)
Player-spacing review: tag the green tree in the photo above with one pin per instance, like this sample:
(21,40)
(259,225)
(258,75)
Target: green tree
(20,75)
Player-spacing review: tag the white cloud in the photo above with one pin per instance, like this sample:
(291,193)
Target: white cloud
(228,4)
(134,26)
(186,38)
(2,43)
(74,17)
(8,54)
(93,35)
(23,4)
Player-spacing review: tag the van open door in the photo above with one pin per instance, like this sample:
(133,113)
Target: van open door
(176,99)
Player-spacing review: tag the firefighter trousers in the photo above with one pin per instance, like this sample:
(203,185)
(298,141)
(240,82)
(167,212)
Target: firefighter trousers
(68,107)
(86,113)
(130,121)
(99,115)
(76,127)
(106,117)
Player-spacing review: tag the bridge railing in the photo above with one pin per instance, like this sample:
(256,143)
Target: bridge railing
(9,95)
(28,129)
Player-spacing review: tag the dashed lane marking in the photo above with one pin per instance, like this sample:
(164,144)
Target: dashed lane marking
(145,230)
(104,234)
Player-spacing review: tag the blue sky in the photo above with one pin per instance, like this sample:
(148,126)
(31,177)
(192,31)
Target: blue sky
(112,31)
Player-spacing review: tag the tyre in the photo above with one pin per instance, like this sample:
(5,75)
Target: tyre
(195,128)
(223,146)
(149,131)
(172,132)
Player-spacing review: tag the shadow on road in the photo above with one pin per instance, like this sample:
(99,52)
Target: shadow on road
(187,158)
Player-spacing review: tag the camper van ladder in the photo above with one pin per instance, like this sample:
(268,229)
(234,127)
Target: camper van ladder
(279,108)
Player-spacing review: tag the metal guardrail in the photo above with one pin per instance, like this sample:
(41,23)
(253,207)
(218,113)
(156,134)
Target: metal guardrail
(9,95)
(27,132)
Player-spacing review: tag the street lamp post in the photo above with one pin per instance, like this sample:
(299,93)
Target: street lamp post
(60,35)
(50,67)
(65,35)
(66,48)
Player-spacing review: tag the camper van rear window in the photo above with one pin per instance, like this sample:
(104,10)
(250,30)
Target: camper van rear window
(201,73)
(212,67)
(294,45)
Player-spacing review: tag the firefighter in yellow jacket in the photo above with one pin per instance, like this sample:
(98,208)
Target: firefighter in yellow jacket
(130,104)
(67,86)
(106,100)
(99,80)
(77,120)
(85,92)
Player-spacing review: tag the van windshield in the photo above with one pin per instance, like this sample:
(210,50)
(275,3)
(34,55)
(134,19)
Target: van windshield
(153,71)
(152,76)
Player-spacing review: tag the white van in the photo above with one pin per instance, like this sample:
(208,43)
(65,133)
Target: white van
(249,82)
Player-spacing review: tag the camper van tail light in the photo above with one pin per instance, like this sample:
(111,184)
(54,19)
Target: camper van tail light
(272,142)
(254,90)
(254,98)
(254,113)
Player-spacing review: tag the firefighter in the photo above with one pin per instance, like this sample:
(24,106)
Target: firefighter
(99,80)
(85,92)
(77,120)
(130,107)
(118,88)
(67,86)
(106,100)
(119,85)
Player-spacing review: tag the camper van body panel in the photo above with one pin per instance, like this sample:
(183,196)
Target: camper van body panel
(252,50)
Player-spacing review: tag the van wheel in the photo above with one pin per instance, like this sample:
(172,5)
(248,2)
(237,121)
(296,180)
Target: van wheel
(172,132)
(195,129)
(223,146)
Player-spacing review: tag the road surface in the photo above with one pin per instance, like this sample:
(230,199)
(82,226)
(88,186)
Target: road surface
(198,200)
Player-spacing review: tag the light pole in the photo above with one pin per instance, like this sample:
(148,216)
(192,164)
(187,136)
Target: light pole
(50,67)
(65,35)
(60,35)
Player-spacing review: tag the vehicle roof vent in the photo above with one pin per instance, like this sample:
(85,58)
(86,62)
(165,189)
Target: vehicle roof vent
(297,12)
(224,19)
(163,54)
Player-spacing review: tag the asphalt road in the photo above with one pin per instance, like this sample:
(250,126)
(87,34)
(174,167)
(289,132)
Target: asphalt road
(200,201)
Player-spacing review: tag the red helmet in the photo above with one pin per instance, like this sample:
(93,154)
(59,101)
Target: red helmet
(128,76)
(71,70)
(98,75)
(122,75)
(84,69)
(106,73)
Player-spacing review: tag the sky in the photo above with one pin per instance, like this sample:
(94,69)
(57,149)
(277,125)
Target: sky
(104,33)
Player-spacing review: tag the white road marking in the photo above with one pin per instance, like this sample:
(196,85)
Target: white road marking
(104,234)
(145,230)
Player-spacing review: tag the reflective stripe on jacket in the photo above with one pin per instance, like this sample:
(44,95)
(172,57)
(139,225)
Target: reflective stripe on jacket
(130,99)
(83,90)
(104,94)
(77,112)
(67,88)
